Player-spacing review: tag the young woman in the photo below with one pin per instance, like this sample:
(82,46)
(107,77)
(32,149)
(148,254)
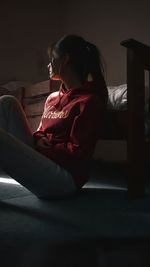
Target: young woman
(54,160)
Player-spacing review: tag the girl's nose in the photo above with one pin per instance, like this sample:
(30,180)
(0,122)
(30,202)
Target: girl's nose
(49,65)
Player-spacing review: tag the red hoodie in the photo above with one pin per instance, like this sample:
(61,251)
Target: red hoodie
(70,121)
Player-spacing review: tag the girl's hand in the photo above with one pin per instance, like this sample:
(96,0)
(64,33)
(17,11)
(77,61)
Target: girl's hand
(43,142)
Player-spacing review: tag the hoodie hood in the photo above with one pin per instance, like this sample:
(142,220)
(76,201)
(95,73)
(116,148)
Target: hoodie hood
(66,95)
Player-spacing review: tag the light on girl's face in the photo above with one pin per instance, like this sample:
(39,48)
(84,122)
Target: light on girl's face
(52,74)
(54,68)
(49,66)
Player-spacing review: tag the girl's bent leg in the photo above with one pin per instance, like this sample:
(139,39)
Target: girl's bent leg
(36,172)
(13,119)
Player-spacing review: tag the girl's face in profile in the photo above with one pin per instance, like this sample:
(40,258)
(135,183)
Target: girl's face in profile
(54,66)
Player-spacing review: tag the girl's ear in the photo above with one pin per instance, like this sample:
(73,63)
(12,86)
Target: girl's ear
(89,77)
(66,58)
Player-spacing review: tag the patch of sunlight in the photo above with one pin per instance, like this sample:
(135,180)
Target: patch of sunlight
(8,181)
(105,186)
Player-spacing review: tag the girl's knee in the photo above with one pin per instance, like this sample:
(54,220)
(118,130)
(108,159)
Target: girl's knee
(9,100)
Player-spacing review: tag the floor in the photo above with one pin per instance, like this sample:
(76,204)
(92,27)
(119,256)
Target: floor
(107,230)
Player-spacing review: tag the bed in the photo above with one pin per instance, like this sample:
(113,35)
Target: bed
(138,61)
(134,121)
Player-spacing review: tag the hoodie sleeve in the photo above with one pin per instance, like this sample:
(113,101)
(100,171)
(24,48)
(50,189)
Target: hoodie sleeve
(39,133)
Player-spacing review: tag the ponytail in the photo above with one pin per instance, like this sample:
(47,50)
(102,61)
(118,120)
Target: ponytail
(94,64)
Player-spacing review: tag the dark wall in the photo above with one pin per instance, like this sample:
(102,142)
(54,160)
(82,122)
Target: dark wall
(107,23)
(27,27)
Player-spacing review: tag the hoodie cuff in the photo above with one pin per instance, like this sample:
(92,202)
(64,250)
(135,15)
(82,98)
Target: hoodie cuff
(38,135)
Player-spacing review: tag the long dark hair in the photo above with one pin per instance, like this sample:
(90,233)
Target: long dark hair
(84,57)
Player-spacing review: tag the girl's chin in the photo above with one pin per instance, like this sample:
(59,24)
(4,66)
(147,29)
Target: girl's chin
(55,77)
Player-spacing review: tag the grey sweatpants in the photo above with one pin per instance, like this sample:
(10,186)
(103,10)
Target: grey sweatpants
(22,162)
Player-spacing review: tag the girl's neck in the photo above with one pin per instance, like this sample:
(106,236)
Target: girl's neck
(72,84)
(71,81)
